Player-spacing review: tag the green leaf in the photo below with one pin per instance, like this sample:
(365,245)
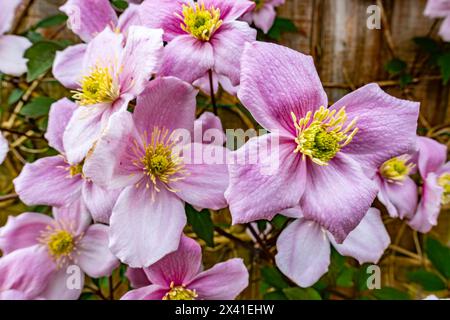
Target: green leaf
(273,277)
(201,224)
(279,221)
(280,26)
(262,225)
(444,64)
(38,107)
(439,255)
(345,278)
(428,280)
(388,293)
(395,66)
(120,4)
(40,58)
(52,21)
(87,296)
(405,79)
(15,96)
(301,294)
(427,44)
(275,295)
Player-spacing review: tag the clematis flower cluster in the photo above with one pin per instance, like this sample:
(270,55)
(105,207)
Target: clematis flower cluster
(129,159)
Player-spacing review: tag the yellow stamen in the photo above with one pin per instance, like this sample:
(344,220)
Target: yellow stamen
(76,170)
(259,4)
(444,182)
(100,86)
(323,135)
(200,21)
(180,293)
(396,169)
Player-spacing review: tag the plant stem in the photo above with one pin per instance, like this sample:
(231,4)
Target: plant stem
(211,86)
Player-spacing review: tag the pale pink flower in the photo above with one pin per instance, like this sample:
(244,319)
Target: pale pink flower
(264,14)
(179,276)
(440,9)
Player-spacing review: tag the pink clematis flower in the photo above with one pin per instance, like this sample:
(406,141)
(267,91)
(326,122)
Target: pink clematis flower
(264,14)
(53,181)
(435,173)
(398,192)
(304,246)
(110,76)
(56,244)
(140,152)
(12,47)
(202,36)
(327,156)
(440,9)
(4,148)
(179,276)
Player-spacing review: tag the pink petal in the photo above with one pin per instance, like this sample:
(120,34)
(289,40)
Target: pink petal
(151,292)
(95,258)
(431,155)
(224,281)
(303,252)
(27,270)
(264,18)
(444,30)
(75,215)
(210,127)
(387,126)
(13,295)
(179,267)
(60,113)
(12,49)
(138,277)
(231,9)
(130,17)
(271,179)
(206,177)
(110,164)
(295,212)
(88,18)
(269,68)
(337,195)
(166,103)
(399,198)
(57,288)
(22,231)
(66,67)
(140,58)
(368,241)
(4,148)
(7,14)
(437,8)
(99,201)
(145,230)
(429,207)
(187,58)
(231,38)
(47,181)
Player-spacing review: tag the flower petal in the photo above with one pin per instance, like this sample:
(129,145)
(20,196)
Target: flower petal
(231,38)
(187,58)
(303,252)
(151,292)
(22,231)
(368,241)
(266,177)
(99,201)
(211,129)
(166,103)
(269,68)
(75,215)
(179,267)
(152,229)
(60,113)
(7,14)
(12,49)
(231,9)
(264,18)
(205,178)
(137,277)
(338,195)
(431,155)
(66,67)
(140,58)
(224,281)
(387,126)
(95,258)
(88,18)
(47,181)
(4,148)
(399,198)
(58,288)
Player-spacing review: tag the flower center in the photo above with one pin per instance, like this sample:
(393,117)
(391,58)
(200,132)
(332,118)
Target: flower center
(321,137)
(396,169)
(180,293)
(76,170)
(60,243)
(444,182)
(159,163)
(200,21)
(259,4)
(97,87)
